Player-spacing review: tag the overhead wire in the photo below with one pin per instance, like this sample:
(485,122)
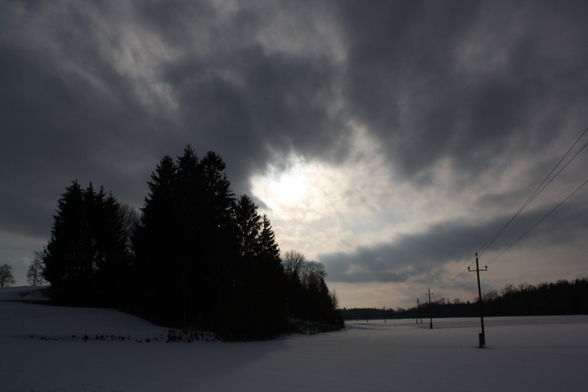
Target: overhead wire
(562,202)
(542,185)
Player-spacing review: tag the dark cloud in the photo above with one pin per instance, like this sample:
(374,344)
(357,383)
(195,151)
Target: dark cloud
(471,82)
(412,255)
(78,102)
(100,91)
(279,103)
(58,124)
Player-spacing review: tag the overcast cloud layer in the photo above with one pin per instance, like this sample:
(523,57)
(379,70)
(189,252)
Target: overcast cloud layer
(431,121)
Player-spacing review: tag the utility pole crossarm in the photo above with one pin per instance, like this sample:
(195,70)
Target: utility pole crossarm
(478,270)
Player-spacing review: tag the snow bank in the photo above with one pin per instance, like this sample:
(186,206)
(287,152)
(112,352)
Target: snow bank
(21,320)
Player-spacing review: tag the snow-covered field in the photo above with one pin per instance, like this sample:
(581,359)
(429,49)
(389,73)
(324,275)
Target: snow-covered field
(523,354)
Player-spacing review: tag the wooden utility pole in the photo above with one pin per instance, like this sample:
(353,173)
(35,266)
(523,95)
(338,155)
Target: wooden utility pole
(482,335)
(418,309)
(430,309)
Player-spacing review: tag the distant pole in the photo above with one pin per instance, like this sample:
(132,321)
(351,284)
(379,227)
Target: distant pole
(417,311)
(430,310)
(482,335)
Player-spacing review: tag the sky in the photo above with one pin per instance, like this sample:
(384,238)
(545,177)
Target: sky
(389,140)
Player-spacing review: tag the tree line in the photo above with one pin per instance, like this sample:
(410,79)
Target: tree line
(195,256)
(559,298)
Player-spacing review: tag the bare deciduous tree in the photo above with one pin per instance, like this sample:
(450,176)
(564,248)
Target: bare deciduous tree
(35,271)
(6,277)
(293,263)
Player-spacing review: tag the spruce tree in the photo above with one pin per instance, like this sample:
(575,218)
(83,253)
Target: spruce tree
(154,246)
(63,266)
(186,243)
(261,310)
(249,225)
(267,242)
(86,258)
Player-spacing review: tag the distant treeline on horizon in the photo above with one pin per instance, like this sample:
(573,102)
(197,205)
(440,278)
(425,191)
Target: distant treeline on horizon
(562,297)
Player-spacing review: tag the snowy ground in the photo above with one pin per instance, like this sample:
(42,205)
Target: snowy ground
(24,293)
(524,354)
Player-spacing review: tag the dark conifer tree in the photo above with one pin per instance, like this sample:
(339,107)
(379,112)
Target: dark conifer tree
(260,309)
(64,251)
(267,241)
(86,258)
(154,243)
(249,224)
(112,237)
(272,297)
(186,241)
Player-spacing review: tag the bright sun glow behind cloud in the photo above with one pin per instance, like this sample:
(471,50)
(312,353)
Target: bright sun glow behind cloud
(294,193)
(317,207)
(289,188)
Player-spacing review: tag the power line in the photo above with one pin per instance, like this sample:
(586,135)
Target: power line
(540,220)
(566,165)
(542,185)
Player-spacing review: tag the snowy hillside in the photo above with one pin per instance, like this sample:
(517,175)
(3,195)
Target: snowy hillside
(524,353)
(24,293)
